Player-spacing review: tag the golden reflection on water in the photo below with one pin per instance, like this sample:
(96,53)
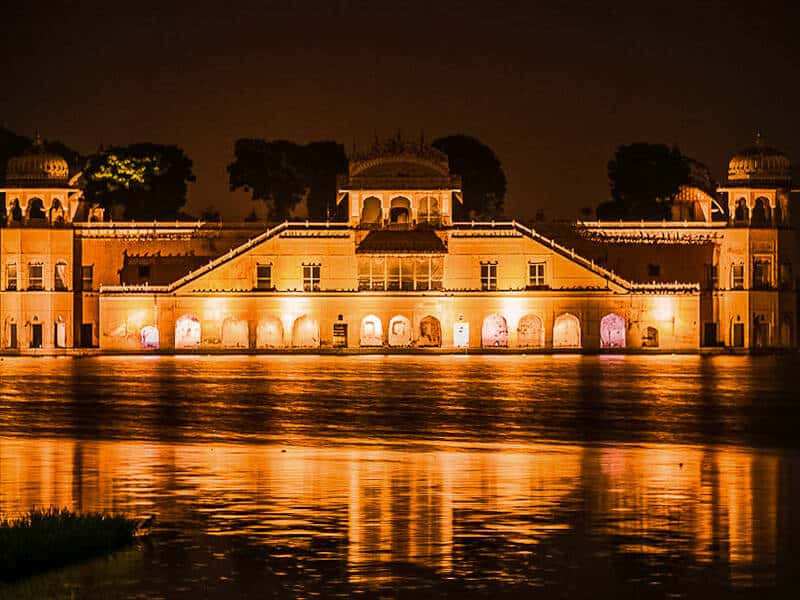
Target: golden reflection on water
(418,505)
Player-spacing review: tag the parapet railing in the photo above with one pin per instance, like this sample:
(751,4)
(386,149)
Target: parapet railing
(590,264)
(232,253)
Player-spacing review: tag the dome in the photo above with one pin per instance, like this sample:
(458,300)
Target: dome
(759,165)
(37,167)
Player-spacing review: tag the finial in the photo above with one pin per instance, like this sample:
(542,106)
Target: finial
(37,140)
(759,138)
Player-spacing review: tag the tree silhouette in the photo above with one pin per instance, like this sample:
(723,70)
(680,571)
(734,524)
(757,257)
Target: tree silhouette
(281,173)
(644,179)
(148,180)
(483,182)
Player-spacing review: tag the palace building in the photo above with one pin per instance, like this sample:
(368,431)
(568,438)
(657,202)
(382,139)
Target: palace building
(400,273)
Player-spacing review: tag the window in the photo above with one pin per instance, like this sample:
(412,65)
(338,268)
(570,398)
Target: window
(653,270)
(761,274)
(378,273)
(60,277)
(264,277)
(87,272)
(737,277)
(311,278)
(35,276)
(488,275)
(144,271)
(11,276)
(536,274)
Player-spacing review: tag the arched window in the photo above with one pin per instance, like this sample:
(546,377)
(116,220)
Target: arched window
(430,333)
(786,331)
(494,332)
(16,211)
(235,333)
(187,332)
(650,338)
(149,337)
(56,212)
(612,331)
(567,332)
(399,331)
(371,211)
(371,331)
(761,213)
(60,333)
(269,333)
(741,213)
(305,333)
(36,209)
(530,332)
(400,210)
(60,276)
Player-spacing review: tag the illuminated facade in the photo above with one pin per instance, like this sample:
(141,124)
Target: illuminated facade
(399,274)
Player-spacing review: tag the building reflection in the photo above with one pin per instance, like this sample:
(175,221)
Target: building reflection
(421,505)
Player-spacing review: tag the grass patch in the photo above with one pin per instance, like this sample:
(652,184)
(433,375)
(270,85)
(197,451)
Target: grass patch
(47,538)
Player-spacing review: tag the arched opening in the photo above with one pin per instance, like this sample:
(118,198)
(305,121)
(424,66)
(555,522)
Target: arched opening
(400,211)
(399,331)
(60,333)
(371,331)
(187,332)
(430,333)
(760,332)
(650,338)
(235,333)
(11,333)
(305,332)
(530,332)
(36,209)
(761,213)
(567,332)
(56,212)
(741,214)
(269,333)
(16,212)
(149,337)
(494,332)
(371,211)
(612,331)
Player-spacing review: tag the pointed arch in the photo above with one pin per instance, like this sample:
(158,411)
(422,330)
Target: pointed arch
(612,331)
(430,333)
(530,331)
(305,332)
(235,333)
(494,332)
(399,331)
(567,331)
(187,332)
(371,331)
(149,338)
(269,333)
(371,211)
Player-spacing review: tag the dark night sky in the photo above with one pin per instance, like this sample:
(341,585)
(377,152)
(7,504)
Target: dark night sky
(553,90)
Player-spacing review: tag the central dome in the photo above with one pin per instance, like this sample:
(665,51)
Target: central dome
(37,167)
(759,165)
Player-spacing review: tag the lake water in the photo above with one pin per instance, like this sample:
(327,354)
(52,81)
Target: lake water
(457,476)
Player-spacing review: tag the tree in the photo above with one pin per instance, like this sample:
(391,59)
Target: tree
(644,179)
(483,182)
(281,173)
(148,180)
(210,214)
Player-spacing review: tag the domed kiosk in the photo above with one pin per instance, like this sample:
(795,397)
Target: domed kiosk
(758,183)
(38,190)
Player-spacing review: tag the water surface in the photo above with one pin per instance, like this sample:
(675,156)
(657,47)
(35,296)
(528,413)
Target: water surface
(300,476)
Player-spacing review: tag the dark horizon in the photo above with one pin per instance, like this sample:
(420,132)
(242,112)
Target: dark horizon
(553,91)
